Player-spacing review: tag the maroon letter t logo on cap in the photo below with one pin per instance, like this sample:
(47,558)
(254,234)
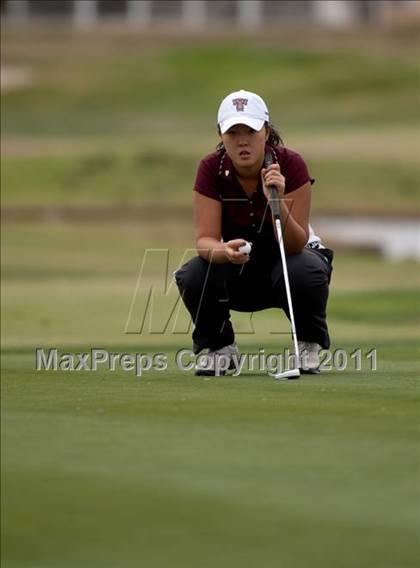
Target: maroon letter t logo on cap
(240,103)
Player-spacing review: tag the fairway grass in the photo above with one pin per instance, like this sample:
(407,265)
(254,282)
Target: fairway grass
(106,469)
(170,470)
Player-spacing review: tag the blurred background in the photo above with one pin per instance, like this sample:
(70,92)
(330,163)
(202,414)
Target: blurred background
(107,108)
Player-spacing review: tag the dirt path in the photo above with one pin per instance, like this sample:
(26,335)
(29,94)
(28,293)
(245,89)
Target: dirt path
(14,78)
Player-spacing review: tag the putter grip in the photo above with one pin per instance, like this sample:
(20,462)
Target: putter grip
(274,198)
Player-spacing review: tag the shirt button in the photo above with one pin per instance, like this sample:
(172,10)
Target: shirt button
(251,214)
(250,202)
(253,224)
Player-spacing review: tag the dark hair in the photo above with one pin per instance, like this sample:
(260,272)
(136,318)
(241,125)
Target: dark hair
(274,138)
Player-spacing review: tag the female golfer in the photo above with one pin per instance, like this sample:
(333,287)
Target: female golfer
(231,208)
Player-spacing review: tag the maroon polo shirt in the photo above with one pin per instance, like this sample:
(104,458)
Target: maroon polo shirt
(246,217)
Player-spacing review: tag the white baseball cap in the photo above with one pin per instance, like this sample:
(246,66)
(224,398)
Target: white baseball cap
(242,107)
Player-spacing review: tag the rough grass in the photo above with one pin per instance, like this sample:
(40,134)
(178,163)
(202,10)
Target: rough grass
(107,178)
(322,86)
(119,123)
(57,276)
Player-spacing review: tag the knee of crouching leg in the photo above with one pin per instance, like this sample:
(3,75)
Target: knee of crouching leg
(308,270)
(192,275)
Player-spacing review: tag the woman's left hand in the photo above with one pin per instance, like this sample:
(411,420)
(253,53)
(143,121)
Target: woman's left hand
(272,176)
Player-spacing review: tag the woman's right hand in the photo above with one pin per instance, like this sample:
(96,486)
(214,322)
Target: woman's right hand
(233,254)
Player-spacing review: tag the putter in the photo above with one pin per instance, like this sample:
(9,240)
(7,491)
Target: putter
(275,207)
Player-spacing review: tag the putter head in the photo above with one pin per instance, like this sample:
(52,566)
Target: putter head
(292,374)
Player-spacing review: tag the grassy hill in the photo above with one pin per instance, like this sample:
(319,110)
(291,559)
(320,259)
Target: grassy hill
(121,117)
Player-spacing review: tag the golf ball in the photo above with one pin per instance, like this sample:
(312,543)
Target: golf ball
(246,248)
